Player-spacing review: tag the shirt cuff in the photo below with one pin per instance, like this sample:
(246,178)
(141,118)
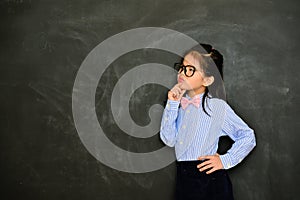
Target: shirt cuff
(226,161)
(172,105)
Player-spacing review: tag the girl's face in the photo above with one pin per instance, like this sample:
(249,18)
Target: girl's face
(196,83)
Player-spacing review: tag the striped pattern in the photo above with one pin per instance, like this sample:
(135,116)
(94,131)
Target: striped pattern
(176,124)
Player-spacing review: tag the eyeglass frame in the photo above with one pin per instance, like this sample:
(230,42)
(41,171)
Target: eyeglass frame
(183,68)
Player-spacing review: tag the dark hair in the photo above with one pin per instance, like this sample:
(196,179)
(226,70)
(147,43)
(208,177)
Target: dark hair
(205,60)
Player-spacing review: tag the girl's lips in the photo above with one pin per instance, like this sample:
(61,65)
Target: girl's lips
(180,80)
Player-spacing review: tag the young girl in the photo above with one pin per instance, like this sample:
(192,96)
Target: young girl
(194,123)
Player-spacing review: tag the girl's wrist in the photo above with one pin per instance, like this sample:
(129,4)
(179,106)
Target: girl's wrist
(172,104)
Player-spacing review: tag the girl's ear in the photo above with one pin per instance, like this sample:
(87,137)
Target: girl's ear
(208,80)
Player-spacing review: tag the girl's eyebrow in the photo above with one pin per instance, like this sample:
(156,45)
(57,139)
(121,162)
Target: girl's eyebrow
(190,64)
(187,62)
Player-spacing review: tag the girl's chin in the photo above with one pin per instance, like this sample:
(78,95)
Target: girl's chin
(184,86)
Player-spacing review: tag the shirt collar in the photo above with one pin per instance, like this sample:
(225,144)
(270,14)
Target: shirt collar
(200,95)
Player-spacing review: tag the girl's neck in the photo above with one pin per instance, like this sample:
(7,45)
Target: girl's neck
(193,93)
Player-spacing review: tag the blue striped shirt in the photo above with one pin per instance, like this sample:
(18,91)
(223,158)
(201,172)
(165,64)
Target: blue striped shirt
(192,129)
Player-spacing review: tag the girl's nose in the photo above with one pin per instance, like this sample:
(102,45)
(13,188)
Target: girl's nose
(181,73)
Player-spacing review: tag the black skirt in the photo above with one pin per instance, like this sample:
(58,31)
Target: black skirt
(191,184)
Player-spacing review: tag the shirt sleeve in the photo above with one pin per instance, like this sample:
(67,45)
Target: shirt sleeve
(168,128)
(242,135)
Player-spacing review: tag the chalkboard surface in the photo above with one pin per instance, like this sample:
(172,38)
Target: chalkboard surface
(43,45)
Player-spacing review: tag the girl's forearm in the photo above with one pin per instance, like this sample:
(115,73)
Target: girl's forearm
(168,128)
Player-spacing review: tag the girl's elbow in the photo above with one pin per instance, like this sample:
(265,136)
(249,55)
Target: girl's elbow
(170,144)
(249,138)
(167,141)
(253,139)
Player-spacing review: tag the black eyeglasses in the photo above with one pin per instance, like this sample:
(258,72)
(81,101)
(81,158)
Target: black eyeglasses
(189,70)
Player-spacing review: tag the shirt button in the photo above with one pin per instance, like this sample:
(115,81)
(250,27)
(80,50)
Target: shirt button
(166,119)
(180,142)
(184,126)
(188,111)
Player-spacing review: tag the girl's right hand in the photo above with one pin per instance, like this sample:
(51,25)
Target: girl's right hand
(176,92)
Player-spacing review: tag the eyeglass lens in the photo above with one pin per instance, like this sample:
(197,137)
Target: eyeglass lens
(188,69)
